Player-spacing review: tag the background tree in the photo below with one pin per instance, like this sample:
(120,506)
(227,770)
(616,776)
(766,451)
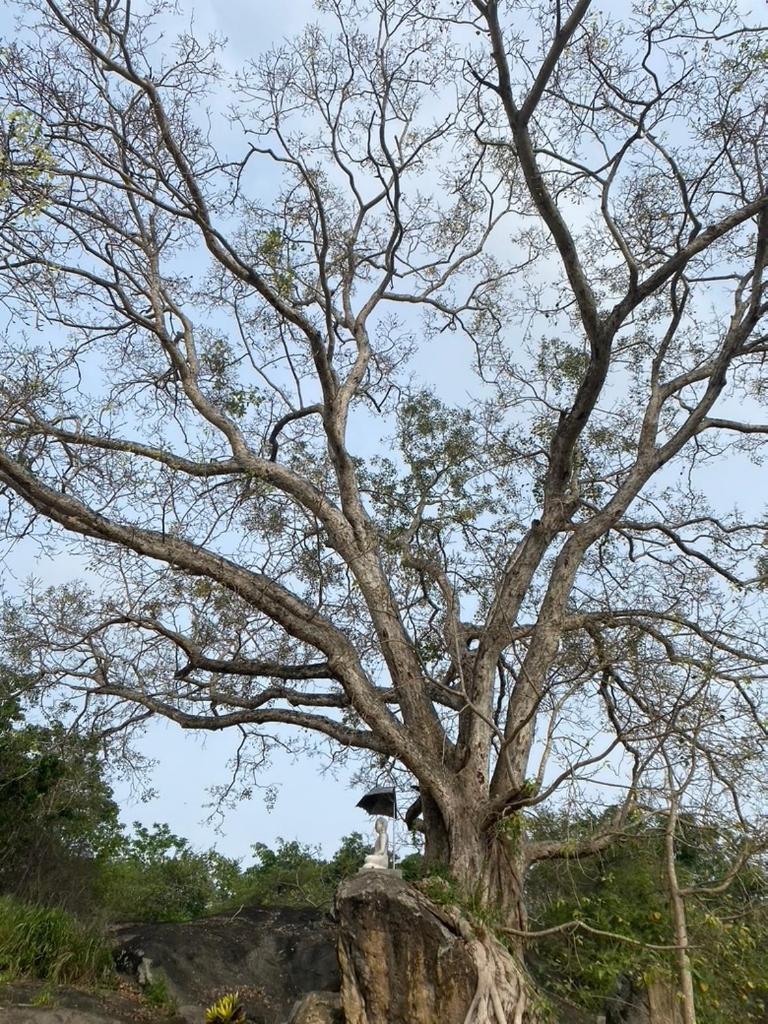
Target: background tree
(154,875)
(57,815)
(219,385)
(295,874)
(625,936)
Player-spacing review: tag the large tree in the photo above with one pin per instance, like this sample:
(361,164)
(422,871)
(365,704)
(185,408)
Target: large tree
(380,382)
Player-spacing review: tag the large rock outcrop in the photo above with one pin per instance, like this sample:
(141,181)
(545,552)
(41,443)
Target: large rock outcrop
(55,1015)
(404,961)
(272,957)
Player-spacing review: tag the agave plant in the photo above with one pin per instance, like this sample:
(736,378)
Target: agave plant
(227,1010)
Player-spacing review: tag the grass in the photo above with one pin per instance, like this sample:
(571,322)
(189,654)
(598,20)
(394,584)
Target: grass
(44,998)
(155,993)
(51,945)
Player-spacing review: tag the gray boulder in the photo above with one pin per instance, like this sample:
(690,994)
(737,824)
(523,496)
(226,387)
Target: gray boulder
(35,1002)
(271,957)
(318,1008)
(52,1015)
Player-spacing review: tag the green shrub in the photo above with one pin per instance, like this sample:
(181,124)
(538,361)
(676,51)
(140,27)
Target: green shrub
(50,944)
(227,1010)
(412,867)
(156,876)
(57,813)
(177,890)
(155,994)
(295,874)
(623,890)
(44,998)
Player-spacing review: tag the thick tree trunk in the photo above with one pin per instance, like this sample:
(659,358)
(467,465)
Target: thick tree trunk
(437,850)
(486,868)
(486,865)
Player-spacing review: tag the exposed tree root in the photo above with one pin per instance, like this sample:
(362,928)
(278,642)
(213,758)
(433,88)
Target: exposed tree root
(501,996)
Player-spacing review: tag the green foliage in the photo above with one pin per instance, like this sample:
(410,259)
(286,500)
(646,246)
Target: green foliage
(761,565)
(51,945)
(444,457)
(45,997)
(295,875)
(26,164)
(611,892)
(275,252)
(412,867)
(563,364)
(61,841)
(623,891)
(155,876)
(227,1010)
(155,994)
(441,889)
(349,857)
(57,815)
(291,875)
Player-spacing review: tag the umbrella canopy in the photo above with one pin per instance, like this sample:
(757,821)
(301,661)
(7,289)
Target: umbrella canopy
(380,801)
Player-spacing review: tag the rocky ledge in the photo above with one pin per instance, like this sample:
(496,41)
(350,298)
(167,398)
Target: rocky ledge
(272,957)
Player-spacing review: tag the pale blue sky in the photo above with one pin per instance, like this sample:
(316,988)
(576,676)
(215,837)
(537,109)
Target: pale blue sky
(310,806)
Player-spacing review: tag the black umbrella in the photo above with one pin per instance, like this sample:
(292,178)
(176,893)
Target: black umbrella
(380,801)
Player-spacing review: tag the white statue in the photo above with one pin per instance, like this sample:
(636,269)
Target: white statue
(379,859)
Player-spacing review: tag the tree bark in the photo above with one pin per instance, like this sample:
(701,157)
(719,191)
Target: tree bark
(485,863)
(437,850)
(488,870)
(677,904)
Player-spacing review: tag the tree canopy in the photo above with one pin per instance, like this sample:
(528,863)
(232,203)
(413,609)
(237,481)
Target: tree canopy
(386,385)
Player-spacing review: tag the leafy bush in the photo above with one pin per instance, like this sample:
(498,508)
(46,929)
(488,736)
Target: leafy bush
(51,945)
(156,876)
(61,842)
(623,891)
(227,1010)
(155,994)
(295,875)
(57,815)
(412,867)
